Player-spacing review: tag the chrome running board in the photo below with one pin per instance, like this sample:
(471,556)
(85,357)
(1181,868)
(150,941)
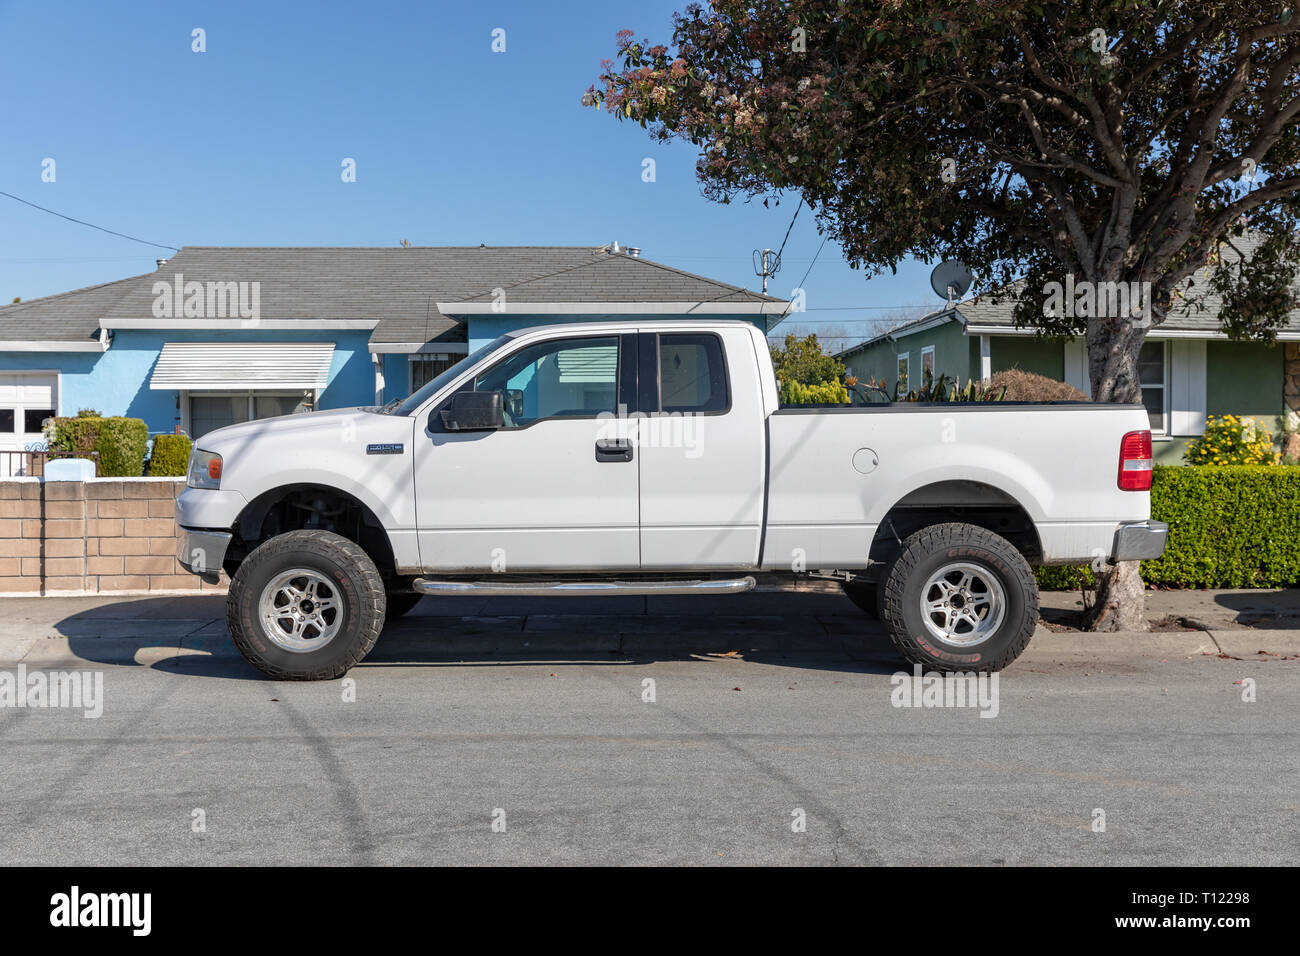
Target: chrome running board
(593,588)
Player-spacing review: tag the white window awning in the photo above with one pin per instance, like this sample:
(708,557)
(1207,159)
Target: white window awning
(216,366)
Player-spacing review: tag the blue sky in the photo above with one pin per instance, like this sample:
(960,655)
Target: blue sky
(454,144)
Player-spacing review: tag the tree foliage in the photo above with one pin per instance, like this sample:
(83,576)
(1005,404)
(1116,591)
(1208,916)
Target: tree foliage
(803,361)
(1107,140)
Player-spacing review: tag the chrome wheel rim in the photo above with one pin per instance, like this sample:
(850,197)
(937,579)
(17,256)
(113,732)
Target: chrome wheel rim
(301,610)
(963,604)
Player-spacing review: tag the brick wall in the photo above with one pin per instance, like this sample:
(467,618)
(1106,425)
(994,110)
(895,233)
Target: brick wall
(101,535)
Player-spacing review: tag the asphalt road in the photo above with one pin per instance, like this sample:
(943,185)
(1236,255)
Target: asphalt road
(456,719)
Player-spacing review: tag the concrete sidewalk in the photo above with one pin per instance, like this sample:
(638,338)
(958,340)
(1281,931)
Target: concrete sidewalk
(1260,608)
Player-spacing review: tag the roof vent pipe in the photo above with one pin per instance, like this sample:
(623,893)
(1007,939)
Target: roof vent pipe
(161,262)
(634,252)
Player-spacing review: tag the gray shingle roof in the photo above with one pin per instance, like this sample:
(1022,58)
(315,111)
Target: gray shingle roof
(66,317)
(401,287)
(398,288)
(621,278)
(1184,316)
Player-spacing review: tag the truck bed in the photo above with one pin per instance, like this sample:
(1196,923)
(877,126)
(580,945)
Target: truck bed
(836,471)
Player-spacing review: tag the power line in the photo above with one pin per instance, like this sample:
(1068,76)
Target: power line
(811,264)
(82,222)
(788,228)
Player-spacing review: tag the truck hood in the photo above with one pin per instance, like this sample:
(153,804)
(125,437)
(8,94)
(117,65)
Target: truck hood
(304,426)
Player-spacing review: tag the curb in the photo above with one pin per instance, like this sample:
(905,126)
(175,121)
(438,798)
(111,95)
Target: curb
(1244,643)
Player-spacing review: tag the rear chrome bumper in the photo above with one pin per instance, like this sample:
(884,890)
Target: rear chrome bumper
(202,552)
(1140,541)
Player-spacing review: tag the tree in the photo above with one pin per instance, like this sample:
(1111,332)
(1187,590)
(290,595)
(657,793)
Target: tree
(803,361)
(806,374)
(1107,147)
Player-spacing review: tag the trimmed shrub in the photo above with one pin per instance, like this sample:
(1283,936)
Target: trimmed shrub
(121,447)
(120,442)
(1230,526)
(77,436)
(1025,386)
(171,455)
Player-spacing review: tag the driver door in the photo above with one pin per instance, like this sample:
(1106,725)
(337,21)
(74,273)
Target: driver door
(546,491)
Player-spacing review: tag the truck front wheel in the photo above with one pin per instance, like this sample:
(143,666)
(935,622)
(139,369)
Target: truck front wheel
(959,598)
(306,605)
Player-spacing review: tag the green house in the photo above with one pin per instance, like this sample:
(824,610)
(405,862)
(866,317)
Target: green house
(1189,368)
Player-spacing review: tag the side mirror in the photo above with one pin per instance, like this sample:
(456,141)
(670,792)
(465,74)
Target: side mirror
(473,411)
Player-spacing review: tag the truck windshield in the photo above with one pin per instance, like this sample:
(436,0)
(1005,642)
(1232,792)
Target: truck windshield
(418,397)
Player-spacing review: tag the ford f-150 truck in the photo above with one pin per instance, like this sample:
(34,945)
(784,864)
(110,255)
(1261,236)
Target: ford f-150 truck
(654,457)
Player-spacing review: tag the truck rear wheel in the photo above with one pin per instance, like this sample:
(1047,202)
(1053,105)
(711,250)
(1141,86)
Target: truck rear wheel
(959,598)
(306,605)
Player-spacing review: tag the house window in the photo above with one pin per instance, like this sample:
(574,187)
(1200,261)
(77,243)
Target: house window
(427,366)
(927,365)
(1153,374)
(904,361)
(208,411)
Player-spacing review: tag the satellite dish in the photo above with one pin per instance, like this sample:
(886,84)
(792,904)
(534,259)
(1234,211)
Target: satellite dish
(950,280)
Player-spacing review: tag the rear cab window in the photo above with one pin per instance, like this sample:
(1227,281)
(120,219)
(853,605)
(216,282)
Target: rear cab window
(692,373)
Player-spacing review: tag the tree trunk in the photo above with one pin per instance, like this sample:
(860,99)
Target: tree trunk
(1120,604)
(1113,346)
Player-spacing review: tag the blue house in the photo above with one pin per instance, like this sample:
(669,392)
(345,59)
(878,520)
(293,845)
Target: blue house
(222,335)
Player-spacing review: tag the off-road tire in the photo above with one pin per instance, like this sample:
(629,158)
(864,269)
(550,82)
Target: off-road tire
(400,603)
(339,560)
(924,554)
(865,594)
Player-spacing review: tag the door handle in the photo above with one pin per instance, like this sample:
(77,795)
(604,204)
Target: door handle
(614,449)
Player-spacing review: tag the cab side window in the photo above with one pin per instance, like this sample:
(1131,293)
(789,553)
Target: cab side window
(692,373)
(563,378)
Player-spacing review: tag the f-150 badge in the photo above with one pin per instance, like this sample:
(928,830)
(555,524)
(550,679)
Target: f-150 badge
(395,448)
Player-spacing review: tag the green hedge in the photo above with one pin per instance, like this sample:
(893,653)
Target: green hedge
(171,455)
(120,442)
(1230,526)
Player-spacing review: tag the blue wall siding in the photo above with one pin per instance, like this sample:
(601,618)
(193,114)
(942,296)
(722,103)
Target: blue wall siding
(396,375)
(116,382)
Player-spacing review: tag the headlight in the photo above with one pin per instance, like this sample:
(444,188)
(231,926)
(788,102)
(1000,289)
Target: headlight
(205,469)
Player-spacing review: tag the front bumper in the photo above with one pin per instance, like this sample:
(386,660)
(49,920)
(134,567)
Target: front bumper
(1140,541)
(202,552)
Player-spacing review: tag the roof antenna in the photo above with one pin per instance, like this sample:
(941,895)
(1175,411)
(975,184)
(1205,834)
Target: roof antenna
(766,264)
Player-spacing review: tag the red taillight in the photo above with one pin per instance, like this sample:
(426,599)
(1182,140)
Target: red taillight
(214,469)
(1135,462)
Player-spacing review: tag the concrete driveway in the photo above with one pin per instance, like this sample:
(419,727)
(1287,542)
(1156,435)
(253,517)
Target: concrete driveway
(489,732)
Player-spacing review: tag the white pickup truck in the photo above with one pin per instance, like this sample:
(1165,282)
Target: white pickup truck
(654,458)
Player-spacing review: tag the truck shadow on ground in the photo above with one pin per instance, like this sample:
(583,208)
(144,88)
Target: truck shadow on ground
(188,635)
